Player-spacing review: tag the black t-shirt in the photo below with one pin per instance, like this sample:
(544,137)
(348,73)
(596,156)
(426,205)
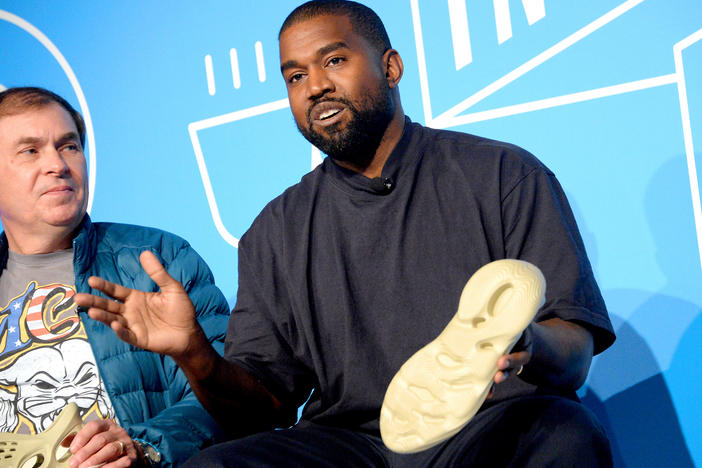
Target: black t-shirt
(340,281)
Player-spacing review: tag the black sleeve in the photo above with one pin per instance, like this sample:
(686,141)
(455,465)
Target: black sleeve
(539,227)
(258,335)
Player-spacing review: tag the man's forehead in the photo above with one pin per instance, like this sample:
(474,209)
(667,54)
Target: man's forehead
(33,122)
(319,35)
(322,27)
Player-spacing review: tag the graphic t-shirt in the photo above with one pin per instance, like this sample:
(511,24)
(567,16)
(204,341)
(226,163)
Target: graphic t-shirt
(46,360)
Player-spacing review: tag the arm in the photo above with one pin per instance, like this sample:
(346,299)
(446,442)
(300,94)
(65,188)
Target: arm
(240,403)
(559,356)
(165,322)
(573,325)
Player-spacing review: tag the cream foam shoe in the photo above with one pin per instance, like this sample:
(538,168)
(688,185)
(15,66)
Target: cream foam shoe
(42,450)
(440,388)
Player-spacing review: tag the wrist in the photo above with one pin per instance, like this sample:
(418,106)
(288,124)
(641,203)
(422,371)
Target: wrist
(147,455)
(199,359)
(525,342)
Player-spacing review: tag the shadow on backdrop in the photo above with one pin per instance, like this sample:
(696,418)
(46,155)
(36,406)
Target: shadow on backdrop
(640,420)
(627,387)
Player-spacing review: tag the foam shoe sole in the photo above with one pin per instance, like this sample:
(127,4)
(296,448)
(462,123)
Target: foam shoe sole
(440,388)
(42,450)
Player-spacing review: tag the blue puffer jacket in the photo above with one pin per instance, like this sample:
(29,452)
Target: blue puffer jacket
(151,396)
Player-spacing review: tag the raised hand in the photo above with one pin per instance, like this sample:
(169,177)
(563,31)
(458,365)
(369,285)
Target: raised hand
(163,322)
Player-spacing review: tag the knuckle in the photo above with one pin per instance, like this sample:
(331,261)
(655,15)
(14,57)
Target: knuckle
(102,439)
(92,426)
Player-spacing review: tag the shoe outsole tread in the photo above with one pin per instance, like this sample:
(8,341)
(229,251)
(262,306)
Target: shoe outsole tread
(441,387)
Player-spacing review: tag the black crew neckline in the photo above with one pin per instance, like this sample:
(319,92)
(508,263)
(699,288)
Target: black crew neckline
(354,183)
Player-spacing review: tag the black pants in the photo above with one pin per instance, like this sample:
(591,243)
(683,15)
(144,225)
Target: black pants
(534,431)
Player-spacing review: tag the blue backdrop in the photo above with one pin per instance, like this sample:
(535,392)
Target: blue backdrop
(189,130)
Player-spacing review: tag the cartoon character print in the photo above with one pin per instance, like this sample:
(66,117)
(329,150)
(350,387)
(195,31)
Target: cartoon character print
(8,411)
(46,361)
(43,314)
(49,378)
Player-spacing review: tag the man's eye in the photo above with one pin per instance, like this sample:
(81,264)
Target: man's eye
(295,78)
(71,147)
(29,151)
(335,60)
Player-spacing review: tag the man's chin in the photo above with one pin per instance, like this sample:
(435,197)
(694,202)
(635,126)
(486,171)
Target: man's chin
(69,219)
(327,144)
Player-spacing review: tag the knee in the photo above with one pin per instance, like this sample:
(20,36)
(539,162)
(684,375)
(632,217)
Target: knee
(210,457)
(571,435)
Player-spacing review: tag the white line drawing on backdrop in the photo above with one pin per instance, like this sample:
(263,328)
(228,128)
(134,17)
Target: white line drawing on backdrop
(460,33)
(687,131)
(209,71)
(234,63)
(535,10)
(451,117)
(194,127)
(58,56)
(234,60)
(261,67)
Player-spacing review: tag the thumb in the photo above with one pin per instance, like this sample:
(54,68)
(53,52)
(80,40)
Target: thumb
(156,272)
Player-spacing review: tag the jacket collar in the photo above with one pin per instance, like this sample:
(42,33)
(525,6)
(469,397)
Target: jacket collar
(84,245)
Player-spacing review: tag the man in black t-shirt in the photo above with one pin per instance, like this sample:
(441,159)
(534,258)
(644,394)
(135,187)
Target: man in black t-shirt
(348,273)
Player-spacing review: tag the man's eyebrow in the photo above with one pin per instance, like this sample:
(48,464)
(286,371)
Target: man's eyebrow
(27,140)
(288,64)
(332,47)
(31,140)
(321,52)
(66,137)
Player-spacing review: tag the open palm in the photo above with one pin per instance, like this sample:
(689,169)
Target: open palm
(163,322)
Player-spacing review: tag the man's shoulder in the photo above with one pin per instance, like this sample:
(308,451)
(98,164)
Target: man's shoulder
(467,147)
(290,207)
(132,236)
(296,195)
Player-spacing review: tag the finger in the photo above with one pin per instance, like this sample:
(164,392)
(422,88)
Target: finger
(112,451)
(123,462)
(501,376)
(124,333)
(103,316)
(109,288)
(86,433)
(518,360)
(106,442)
(115,322)
(156,272)
(97,302)
(513,361)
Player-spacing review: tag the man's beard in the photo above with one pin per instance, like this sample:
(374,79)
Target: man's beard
(356,144)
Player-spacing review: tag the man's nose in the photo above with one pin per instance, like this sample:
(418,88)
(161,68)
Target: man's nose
(54,162)
(318,83)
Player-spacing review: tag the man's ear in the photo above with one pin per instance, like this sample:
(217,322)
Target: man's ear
(393,67)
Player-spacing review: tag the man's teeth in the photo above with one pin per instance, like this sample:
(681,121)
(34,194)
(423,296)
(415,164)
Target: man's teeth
(327,114)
